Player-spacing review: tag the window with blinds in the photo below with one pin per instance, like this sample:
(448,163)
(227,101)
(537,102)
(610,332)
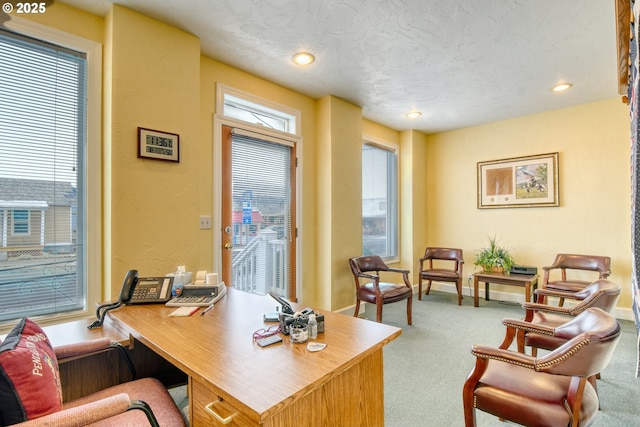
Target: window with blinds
(262,215)
(42,178)
(379,201)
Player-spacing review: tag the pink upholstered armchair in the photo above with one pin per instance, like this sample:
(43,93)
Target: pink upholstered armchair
(38,401)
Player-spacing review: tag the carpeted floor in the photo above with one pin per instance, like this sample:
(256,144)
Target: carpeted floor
(425,368)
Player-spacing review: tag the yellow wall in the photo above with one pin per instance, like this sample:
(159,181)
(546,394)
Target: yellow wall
(594,214)
(154,76)
(154,83)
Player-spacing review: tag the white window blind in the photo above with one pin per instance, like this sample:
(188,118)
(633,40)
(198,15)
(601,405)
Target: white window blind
(262,178)
(42,174)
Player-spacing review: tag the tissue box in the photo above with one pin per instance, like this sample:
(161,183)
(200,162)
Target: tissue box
(180,280)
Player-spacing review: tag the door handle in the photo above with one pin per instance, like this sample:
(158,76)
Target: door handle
(228,246)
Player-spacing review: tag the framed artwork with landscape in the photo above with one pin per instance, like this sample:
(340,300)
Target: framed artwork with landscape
(519,182)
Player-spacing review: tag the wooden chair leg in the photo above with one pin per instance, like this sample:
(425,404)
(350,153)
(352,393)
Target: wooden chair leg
(428,287)
(357,308)
(592,381)
(420,287)
(409,305)
(459,289)
(379,305)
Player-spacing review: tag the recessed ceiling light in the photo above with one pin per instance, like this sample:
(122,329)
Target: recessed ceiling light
(303,58)
(414,114)
(561,87)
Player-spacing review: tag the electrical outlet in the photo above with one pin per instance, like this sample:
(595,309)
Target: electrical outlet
(205,222)
(470,276)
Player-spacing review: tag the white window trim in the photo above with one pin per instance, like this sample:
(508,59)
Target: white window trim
(222,90)
(371,140)
(93,51)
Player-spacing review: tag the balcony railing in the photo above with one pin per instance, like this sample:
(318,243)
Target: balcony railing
(262,265)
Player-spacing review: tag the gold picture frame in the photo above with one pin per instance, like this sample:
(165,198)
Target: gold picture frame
(519,182)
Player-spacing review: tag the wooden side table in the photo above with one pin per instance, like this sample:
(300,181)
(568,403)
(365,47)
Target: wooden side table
(522,280)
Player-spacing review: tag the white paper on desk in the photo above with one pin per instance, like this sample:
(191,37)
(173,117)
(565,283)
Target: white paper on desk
(183,311)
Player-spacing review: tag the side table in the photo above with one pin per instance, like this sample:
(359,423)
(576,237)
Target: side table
(522,280)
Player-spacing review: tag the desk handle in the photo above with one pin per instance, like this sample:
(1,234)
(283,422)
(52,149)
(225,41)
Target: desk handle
(209,409)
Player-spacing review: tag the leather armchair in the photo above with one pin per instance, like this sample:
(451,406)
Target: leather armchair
(533,330)
(375,291)
(139,402)
(442,264)
(569,262)
(552,390)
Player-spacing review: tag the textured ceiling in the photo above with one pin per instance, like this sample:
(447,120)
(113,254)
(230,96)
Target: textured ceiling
(459,62)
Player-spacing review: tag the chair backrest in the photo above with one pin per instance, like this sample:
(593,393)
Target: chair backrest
(364,264)
(450,254)
(595,335)
(600,264)
(602,293)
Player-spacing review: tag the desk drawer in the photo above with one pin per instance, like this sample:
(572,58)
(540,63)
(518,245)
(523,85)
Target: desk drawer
(210,410)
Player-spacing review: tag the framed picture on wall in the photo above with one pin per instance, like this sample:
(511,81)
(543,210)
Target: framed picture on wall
(519,182)
(157,145)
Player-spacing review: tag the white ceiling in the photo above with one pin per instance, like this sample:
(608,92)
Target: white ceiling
(460,62)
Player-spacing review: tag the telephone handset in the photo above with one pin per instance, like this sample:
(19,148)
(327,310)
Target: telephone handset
(137,291)
(286,307)
(128,285)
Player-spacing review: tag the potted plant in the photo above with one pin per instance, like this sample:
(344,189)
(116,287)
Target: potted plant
(494,258)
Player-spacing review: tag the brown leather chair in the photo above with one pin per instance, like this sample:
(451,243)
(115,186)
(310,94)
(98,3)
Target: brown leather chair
(552,390)
(535,330)
(139,402)
(443,265)
(564,262)
(376,292)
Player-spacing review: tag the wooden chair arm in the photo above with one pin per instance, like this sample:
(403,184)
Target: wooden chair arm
(369,276)
(398,270)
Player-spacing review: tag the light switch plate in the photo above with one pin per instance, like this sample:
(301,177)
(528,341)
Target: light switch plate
(205,222)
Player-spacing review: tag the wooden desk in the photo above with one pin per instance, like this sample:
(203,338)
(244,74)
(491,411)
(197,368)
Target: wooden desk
(280,385)
(503,279)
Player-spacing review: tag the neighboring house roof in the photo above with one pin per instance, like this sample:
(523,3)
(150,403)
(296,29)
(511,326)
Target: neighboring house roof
(32,193)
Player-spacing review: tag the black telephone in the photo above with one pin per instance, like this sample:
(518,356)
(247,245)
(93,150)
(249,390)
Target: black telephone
(137,291)
(145,290)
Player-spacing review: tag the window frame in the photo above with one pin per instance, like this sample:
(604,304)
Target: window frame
(93,168)
(264,106)
(393,212)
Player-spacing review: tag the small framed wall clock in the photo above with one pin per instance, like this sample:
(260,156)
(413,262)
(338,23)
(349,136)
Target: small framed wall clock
(157,145)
